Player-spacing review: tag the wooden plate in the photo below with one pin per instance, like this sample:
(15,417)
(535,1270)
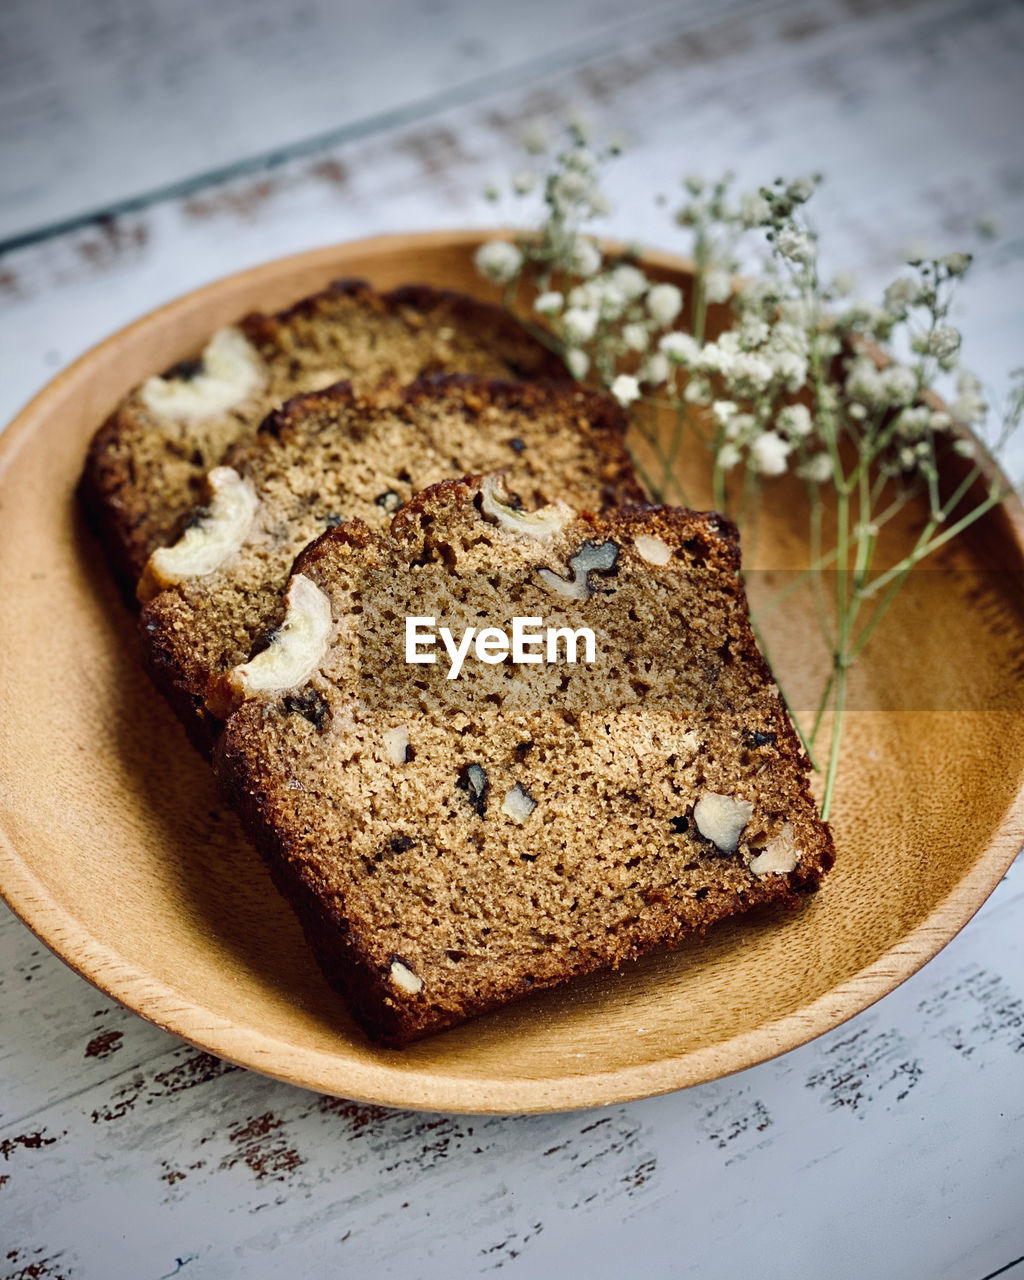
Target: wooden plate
(117,851)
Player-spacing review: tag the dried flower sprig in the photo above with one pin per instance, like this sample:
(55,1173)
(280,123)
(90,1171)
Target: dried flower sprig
(802,379)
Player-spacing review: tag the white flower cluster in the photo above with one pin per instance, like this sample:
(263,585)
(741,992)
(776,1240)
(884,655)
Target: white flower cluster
(499,261)
(621,310)
(768,381)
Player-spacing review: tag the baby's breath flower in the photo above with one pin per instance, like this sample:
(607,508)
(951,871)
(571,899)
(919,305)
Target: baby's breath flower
(795,422)
(797,313)
(535,139)
(969,407)
(864,383)
(577,362)
(524,182)
(828,399)
(728,456)
(569,188)
(625,389)
(717,285)
(664,303)
(681,348)
(944,342)
(753,332)
(900,295)
(800,190)
(754,209)
(636,337)
(817,469)
(939,421)
(900,383)
(723,411)
(599,294)
(795,245)
(713,357)
(791,368)
(691,214)
(585,258)
(768,454)
(786,336)
(581,159)
(578,123)
(741,427)
(656,369)
(878,388)
(956,264)
(913,422)
(827,345)
(630,280)
(698,391)
(965,448)
(865,317)
(492,192)
(549,304)
(750,373)
(579,325)
(694,183)
(498,261)
(843,284)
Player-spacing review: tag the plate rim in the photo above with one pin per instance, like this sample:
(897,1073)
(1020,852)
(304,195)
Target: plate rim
(390,1084)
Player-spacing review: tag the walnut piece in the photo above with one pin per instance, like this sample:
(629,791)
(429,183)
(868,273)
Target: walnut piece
(653,550)
(204,546)
(535,524)
(592,557)
(396,744)
(404,978)
(230,371)
(779,856)
(473,780)
(298,645)
(518,803)
(721,819)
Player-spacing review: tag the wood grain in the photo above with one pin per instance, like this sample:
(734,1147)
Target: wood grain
(115,808)
(891,1147)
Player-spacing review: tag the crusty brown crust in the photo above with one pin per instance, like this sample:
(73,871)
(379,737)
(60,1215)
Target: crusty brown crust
(766,747)
(136,499)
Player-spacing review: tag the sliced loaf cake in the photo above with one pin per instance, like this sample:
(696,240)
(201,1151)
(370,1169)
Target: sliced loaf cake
(455,833)
(147,464)
(326,457)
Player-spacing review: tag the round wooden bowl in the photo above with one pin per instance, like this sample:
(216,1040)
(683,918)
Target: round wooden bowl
(116,849)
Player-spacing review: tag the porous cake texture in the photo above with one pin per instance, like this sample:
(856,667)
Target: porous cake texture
(451,843)
(332,455)
(147,465)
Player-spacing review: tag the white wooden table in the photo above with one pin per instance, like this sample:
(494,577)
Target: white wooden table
(212,137)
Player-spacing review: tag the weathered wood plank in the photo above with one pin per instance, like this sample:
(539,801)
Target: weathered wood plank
(891,1147)
(103,102)
(237,1173)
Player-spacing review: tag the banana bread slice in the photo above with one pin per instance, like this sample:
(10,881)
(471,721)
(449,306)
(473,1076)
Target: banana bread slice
(333,455)
(147,464)
(451,843)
